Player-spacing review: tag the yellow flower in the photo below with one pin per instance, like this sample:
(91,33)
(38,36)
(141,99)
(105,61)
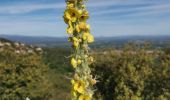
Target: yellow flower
(93,81)
(73,93)
(72,14)
(82,26)
(76,77)
(84,97)
(85,35)
(70,29)
(84,16)
(75,39)
(65,19)
(74,63)
(72,81)
(70,5)
(79,86)
(75,44)
(79,61)
(90,38)
(91,59)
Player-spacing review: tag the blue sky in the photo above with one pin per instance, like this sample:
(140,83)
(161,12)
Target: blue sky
(107,17)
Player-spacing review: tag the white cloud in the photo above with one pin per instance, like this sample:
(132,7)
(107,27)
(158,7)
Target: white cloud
(93,4)
(26,8)
(137,11)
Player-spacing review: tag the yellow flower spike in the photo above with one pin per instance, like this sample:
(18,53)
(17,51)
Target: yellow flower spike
(84,97)
(79,86)
(90,38)
(74,63)
(76,16)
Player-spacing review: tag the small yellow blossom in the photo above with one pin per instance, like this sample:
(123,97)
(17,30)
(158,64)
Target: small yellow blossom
(73,93)
(85,16)
(75,39)
(76,76)
(72,14)
(72,81)
(85,35)
(74,63)
(79,61)
(70,5)
(91,59)
(79,86)
(82,27)
(93,81)
(75,44)
(84,97)
(90,38)
(70,29)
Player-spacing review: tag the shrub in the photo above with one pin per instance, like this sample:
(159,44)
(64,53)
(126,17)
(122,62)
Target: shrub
(23,75)
(132,75)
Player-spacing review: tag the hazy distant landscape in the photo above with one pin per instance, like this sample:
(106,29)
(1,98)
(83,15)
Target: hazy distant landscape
(100,42)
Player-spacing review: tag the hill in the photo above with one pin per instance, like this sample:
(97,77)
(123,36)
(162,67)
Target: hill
(22,72)
(100,42)
(4,40)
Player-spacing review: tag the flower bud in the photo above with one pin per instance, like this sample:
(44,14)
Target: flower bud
(73,62)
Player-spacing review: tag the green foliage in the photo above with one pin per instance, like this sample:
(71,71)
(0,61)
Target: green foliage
(59,72)
(57,58)
(132,75)
(23,75)
(123,74)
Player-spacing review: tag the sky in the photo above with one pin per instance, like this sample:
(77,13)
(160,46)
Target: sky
(107,17)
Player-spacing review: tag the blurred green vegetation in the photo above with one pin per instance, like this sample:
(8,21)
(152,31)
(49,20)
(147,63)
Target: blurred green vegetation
(131,73)
(60,71)
(22,76)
